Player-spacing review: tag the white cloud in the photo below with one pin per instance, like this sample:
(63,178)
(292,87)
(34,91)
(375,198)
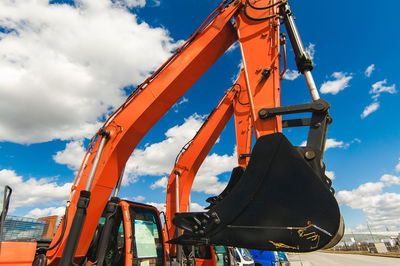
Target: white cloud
(335,86)
(135,3)
(182,101)
(291,74)
(233,47)
(38,213)
(160,206)
(354,198)
(236,77)
(156,3)
(72,155)
(333,143)
(380,208)
(310,49)
(207,177)
(398,166)
(379,87)
(369,70)
(194,207)
(158,159)
(64,68)
(330,174)
(370,109)
(139,198)
(33,192)
(389,180)
(160,183)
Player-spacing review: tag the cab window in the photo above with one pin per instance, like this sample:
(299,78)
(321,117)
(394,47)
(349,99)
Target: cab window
(114,255)
(147,244)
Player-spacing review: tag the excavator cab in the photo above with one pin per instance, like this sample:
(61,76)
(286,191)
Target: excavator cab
(134,237)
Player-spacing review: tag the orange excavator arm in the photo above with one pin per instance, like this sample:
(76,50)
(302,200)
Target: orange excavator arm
(127,126)
(193,155)
(189,161)
(243,121)
(257,30)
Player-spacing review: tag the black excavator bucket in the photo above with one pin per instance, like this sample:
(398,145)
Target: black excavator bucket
(237,173)
(279,203)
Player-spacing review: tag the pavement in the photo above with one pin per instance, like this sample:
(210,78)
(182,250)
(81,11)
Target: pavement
(329,259)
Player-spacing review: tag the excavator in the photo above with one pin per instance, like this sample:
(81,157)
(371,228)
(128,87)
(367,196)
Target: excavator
(278,198)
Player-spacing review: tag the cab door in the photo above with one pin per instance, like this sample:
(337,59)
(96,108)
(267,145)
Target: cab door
(143,237)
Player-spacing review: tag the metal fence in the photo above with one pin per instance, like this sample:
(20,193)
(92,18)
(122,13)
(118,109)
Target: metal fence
(370,247)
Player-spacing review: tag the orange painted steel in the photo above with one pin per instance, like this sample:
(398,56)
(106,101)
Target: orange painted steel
(127,231)
(17,253)
(243,121)
(159,92)
(259,44)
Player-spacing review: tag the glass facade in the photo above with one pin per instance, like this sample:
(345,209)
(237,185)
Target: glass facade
(23,228)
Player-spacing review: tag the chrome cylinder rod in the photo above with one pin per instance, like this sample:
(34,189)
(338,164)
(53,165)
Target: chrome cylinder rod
(302,57)
(311,85)
(118,186)
(104,136)
(178,247)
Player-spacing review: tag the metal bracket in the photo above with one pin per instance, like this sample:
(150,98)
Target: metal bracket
(318,123)
(318,106)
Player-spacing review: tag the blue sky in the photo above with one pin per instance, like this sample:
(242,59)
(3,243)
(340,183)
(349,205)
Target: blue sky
(64,66)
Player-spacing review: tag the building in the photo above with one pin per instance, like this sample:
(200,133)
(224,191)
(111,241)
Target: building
(28,229)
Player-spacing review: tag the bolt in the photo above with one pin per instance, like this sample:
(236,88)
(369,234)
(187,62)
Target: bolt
(266,73)
(309,155)
(262,113)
